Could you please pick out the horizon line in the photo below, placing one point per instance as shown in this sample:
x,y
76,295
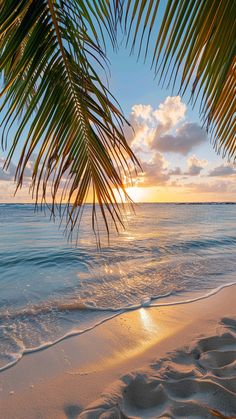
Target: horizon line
x,y
126,203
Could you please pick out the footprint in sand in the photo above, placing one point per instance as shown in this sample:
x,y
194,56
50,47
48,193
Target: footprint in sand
x,y
198,382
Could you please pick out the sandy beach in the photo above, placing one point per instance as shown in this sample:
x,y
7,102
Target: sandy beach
x,y
175,361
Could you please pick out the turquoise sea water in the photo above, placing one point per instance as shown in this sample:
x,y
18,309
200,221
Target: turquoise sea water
x,y
50,289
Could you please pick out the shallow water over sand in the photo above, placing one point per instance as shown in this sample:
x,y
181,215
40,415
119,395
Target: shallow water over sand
x,y
49,288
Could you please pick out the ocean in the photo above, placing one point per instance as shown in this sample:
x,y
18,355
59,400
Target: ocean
x,y
51,289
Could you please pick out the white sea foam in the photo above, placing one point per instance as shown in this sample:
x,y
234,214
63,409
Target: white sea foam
x,y
75,332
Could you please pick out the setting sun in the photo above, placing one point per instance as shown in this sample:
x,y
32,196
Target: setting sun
x,y
136,194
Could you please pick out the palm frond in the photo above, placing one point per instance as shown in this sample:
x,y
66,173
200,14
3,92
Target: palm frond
x,y
220,415
50,53
195,39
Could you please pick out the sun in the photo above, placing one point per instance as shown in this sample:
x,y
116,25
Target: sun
x,y
135,193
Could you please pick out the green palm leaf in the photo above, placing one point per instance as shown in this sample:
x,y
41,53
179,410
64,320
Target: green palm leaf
x,y
195,39
66,113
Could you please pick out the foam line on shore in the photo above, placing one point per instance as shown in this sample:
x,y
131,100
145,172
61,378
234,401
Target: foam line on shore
x,y
116,313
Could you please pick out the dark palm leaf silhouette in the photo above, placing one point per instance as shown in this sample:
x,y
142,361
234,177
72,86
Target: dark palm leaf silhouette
x,y
67,116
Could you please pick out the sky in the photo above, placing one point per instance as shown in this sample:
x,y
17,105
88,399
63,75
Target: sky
x,y
178,161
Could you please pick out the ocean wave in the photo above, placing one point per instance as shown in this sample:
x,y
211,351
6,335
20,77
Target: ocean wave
x,y
48,257
60,306
113,313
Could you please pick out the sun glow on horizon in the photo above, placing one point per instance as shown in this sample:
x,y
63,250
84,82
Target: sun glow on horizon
x,y
135,193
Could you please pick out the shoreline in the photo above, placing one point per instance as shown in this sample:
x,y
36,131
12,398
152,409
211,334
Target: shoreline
x,y
153,302
76,370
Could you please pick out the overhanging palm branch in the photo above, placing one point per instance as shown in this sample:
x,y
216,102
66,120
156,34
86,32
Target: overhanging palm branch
x,y
197,40
67,116
49,51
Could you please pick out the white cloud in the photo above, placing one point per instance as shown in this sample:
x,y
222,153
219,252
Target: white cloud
x,y
170,112
163,129
8,185
195,166
185,139
212,187
222,171
154,171
176,171
9,173
142,112
148,122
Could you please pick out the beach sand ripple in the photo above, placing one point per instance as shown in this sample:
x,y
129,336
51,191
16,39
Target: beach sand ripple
x,y
198,381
